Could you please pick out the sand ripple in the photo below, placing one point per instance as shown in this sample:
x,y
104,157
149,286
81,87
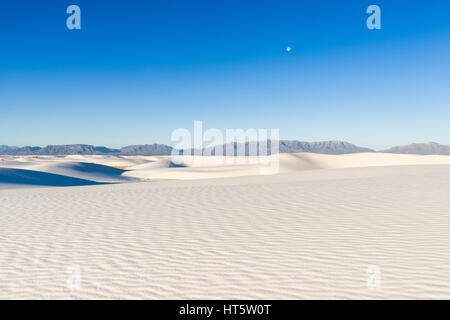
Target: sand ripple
x,y
298,235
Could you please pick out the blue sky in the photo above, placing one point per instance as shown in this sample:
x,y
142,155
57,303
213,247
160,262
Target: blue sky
x,y
137,70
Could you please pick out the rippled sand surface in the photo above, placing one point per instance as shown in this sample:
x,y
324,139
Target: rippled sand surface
x,y
367,232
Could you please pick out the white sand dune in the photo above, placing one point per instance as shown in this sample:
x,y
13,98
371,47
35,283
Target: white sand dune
x,y
218,167
63,171
116,169
311,231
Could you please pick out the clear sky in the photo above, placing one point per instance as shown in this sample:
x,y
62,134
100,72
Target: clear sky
x,y
137,70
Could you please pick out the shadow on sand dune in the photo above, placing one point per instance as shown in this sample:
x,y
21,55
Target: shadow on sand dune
x,y
37,178
94,168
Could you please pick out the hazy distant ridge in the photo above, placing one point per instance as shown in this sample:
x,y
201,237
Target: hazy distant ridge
x,y
155,149
6,148
59,150
147,149
285,146
324,147
421,148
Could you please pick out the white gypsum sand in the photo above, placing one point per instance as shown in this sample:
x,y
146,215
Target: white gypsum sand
x,y
311,231
117,169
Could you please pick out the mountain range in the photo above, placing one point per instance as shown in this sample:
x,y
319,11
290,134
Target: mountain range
x,y
285,146
421,148
6,148
148,150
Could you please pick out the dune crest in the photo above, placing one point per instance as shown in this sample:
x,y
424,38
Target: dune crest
x,y
121,169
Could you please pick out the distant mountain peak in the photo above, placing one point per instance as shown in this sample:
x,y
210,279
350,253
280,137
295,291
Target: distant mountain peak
x,y
427,148
85,149
285,146
4,148
147,149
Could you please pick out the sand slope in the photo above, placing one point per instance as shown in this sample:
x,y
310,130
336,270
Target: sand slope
x,y
120,169
300,234
37,178
218,167
63,171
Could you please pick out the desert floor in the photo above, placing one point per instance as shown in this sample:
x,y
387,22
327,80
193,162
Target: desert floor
x,y
355,226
